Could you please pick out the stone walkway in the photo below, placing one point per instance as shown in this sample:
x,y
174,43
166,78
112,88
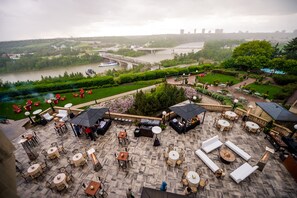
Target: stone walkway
x,y
149,168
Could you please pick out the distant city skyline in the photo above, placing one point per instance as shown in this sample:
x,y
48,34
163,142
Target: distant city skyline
x,y
37,19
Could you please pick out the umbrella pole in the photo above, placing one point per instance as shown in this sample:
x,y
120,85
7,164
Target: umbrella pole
x,y
203,117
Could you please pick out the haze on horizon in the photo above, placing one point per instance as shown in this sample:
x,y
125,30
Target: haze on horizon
x,y
37,19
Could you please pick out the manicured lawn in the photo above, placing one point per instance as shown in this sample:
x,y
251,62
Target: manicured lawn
x,y
271,90
211,78
7,110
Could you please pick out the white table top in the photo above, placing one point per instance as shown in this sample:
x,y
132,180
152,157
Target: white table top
x,y
230,114
252,125
193,177
52,150
156,130
77,156
173,155
33,168
68,105
38,111
59,178
223,123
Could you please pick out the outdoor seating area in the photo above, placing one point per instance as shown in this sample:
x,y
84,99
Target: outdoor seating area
x,y
71,171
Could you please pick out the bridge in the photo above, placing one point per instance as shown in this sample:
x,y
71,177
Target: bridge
x,y
154,50
122,60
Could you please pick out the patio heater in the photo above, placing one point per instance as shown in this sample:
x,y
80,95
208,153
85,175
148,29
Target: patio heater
x,y
27,113
265,157
50,102
96,164
164,116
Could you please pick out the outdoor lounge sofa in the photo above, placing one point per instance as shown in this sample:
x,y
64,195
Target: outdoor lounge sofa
x,y
48,117
103,126
207,161
211,144
242,172
62,113
238,150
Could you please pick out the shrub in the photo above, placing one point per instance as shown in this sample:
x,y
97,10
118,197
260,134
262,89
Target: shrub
x,y
284,79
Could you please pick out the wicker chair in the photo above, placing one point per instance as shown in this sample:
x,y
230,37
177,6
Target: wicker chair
x,y
50,185
54,144
26,176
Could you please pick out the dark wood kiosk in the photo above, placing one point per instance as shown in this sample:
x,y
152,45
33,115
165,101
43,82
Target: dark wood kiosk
x,y
94,118
189,114
145,128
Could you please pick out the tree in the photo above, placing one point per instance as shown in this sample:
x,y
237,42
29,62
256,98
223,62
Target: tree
x,y
254,48
290,49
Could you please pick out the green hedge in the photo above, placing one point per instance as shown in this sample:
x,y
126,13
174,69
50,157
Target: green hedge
x,y
31,89
149,75
229,73
284,79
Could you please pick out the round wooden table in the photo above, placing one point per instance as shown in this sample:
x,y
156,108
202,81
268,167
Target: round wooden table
x,y
227,156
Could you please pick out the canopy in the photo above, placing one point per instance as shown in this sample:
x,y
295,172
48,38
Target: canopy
x,y
277,112
187,111
89,117
153,193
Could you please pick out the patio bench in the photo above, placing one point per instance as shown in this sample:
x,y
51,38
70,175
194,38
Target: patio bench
x,y
238,150
207,161
211,144
242,172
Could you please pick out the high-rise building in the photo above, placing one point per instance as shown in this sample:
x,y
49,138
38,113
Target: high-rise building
x,y
182,31
218,31
203,31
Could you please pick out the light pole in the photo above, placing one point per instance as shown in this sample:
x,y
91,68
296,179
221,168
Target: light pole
x,y
164,114
50,102
250,107
27,113
235,101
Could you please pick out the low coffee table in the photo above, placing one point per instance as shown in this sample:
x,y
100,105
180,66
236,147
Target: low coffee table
x,y
227,156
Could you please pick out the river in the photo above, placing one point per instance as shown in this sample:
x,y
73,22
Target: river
x,y
152,58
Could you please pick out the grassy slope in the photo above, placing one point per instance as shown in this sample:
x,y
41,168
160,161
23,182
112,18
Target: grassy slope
x,y
6,107
272,89
210,78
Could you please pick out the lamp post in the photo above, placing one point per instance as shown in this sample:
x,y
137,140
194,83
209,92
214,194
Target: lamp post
x,y
235,101
27,113
194,98
164,114
250,107
50,102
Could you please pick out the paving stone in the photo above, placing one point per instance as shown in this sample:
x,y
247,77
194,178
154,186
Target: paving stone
x,y
149,168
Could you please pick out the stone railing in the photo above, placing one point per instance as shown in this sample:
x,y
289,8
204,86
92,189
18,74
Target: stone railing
x,y
130,117
281,129
215,108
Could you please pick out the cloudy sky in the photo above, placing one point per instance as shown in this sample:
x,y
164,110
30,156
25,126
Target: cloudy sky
x,y
32,19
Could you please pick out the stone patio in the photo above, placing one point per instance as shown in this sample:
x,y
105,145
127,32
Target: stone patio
x,y
149,168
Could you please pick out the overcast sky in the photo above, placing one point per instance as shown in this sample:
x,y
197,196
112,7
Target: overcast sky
x,y
32,19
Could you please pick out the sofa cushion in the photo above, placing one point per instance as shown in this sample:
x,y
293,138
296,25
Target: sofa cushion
x,y
62,113
47,116
242,172
238,150
211,144
207,160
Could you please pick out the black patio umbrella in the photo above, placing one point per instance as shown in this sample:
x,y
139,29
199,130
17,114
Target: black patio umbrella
x,y
89,117
188,111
